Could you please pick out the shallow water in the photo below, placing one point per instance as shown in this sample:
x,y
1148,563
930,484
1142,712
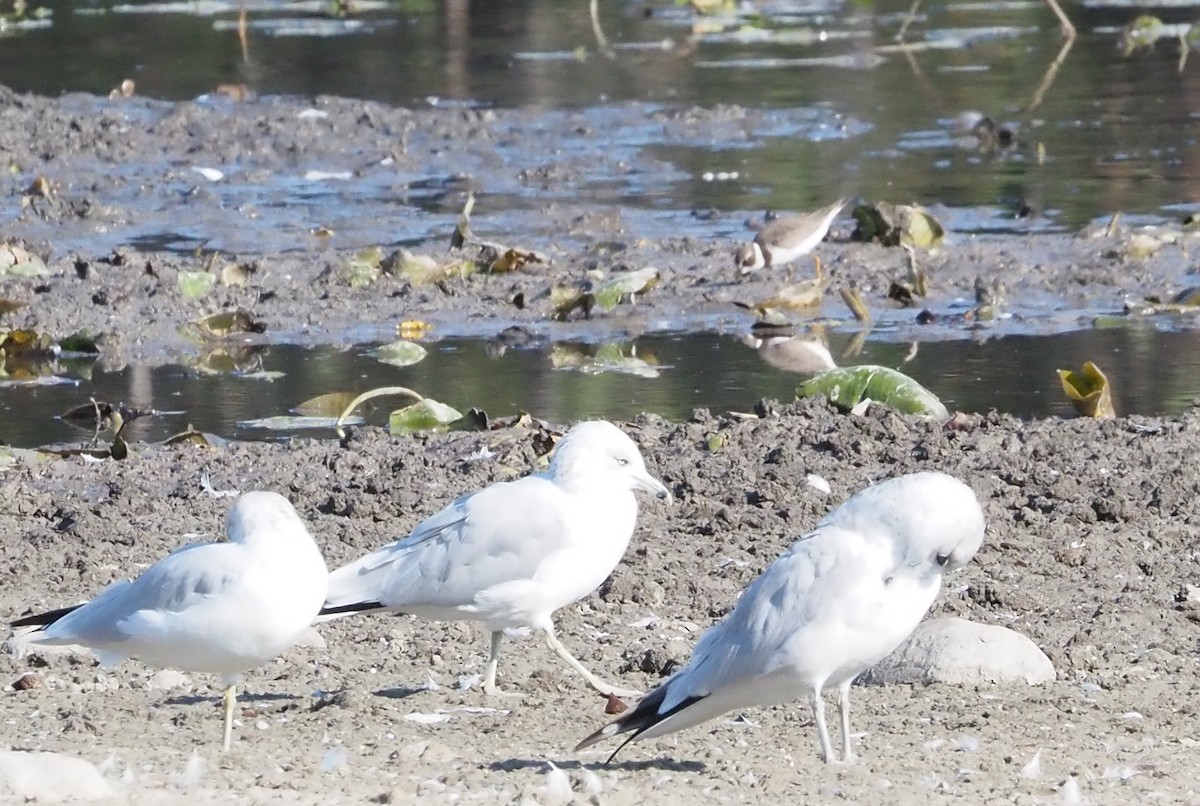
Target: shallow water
x,y
861,117
1152,372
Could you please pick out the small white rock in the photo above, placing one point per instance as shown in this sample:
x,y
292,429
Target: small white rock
x,y
557,789
1033,769
211,174
954,650
819,484
167,679
50,777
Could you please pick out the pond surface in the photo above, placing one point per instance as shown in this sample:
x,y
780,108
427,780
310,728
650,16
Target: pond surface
x,y
1119,133
1152,372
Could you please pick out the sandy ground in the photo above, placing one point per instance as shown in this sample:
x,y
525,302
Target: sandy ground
x,y
1090,550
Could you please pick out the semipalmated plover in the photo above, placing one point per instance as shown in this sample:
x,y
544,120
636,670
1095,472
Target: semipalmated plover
x,y
785,239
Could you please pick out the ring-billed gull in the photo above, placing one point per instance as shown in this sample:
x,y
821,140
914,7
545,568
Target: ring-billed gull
x,y
220,608
838,601
512,553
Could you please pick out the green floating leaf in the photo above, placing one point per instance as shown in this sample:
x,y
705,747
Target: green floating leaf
x,y
363,268
79,343
17,261
424,415
1088,391
10,455
227,323
328,405
846,387
627,284
195,284
422,269
189,437
897,225
400,354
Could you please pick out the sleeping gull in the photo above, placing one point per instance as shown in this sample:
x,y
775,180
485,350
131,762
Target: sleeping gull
x,y
220,608
514,552
837,602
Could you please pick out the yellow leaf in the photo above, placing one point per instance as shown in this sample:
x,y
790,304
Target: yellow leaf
x,y
1088,390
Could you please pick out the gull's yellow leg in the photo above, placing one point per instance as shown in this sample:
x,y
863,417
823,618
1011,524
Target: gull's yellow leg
x,y
230,700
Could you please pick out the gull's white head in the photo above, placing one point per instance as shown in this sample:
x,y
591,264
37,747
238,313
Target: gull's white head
x,y
261,513
935,520
598,447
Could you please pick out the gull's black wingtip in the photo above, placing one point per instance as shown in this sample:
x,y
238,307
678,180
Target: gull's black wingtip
x,y
357,607
641,718
44,620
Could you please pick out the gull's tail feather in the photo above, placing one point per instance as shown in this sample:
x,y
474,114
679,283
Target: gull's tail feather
x,y
43,620
640,719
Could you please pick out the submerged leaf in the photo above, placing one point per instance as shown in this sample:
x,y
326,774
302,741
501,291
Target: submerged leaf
x,y
400,353
371,394
227,323
285,423
606,358
847,387
1089,391
327,405
423,415
189,437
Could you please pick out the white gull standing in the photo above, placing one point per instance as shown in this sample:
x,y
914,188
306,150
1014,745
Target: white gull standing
x,y
220,608
838,601
514,552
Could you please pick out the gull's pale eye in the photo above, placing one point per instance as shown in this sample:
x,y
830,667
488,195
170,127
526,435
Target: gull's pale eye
x,y
942,559
622,461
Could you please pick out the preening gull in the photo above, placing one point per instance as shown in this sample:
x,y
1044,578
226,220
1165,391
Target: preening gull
x,y
220,608
837,602
514,552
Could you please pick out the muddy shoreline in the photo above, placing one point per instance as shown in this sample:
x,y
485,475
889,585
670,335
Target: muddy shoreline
x,y
126,178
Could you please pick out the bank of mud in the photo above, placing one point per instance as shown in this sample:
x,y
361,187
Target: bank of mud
x,y
127,204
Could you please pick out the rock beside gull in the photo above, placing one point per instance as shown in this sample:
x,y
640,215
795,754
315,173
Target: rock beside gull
x,y
954,650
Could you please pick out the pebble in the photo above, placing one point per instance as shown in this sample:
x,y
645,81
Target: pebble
x,y
954,650
50,777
